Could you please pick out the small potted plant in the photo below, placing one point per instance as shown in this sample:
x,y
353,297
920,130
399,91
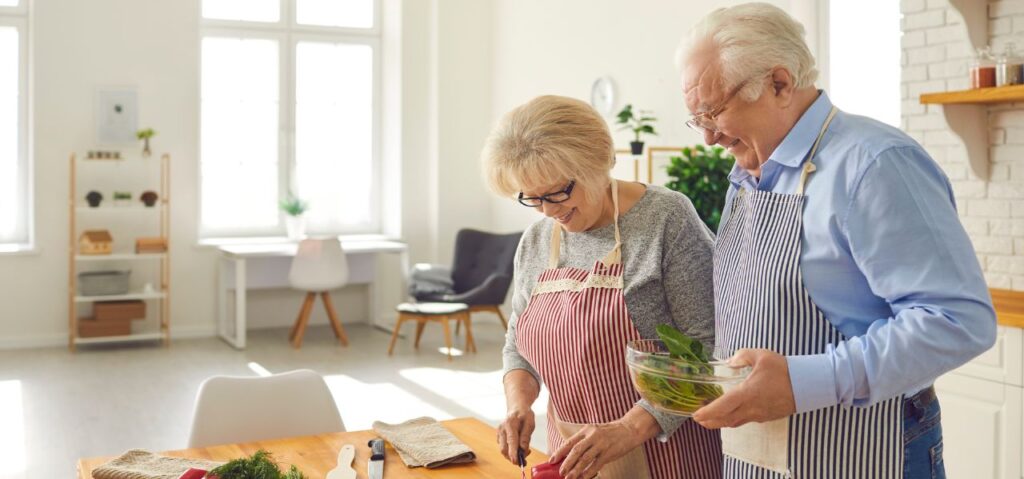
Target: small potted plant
x,y
94,198
145,135
640,123
148,198
294,221
122,198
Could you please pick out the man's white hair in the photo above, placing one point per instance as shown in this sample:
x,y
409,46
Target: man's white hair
x,y
751,39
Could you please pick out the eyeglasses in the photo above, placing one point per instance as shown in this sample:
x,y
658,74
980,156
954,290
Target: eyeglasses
x,y
556,197
704,122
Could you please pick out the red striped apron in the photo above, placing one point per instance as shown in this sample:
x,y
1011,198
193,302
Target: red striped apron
x,y
574,332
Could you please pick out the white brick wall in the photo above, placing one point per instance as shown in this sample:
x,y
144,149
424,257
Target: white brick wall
x,y
935,56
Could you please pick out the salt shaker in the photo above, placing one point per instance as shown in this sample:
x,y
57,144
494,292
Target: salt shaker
x,y
1009,68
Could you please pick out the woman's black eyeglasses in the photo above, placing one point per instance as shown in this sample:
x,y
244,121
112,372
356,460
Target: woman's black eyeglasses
x,y
556,197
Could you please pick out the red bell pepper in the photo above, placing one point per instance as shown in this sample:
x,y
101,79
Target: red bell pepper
x,y
547,470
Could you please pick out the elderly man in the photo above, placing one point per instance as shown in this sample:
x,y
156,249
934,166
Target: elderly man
x,y
842,274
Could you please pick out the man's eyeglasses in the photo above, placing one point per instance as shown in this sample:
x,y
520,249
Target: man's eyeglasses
x,y
556,197
704,122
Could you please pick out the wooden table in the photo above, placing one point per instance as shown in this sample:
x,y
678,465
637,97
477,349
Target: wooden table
x,y
315,455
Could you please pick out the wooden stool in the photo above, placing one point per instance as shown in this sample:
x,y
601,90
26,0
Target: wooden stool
x,y
437,312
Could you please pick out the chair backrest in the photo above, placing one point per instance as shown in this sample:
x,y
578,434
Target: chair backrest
x,y
479,254
233,409
319,265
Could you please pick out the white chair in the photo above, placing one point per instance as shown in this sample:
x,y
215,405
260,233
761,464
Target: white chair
x,y
231,409
318,267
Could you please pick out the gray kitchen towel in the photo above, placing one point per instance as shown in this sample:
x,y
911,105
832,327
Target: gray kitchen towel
x,y
139,464
425,442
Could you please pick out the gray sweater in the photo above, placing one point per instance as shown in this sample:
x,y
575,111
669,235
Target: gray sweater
x,y
667,253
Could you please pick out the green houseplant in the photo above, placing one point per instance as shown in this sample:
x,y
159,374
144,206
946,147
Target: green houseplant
x,y
639,123
145,135
702,174
294,208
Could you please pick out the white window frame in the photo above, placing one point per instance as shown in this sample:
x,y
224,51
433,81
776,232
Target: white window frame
x,y
24,239
288,34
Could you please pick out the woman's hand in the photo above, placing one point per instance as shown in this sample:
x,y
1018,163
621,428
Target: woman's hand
x,y
593,447
596,445
514,433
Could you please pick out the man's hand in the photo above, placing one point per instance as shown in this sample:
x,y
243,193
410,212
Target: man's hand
x,y
765,395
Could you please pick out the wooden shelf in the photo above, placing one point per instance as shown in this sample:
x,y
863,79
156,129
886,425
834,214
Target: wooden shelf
x,y
980,96
119,297
123,209
1009,307
119,256
121,339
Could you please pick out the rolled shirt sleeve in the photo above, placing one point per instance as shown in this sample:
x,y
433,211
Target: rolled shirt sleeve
x,y
902,231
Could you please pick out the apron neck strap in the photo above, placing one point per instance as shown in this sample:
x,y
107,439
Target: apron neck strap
x,y
809,164
614,256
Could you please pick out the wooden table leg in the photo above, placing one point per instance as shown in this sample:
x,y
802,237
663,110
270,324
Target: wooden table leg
x,y
421,323
447,336
394,335
470,343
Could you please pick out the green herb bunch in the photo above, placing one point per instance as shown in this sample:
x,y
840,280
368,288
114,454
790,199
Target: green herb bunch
x,y
702,174
293,205
258,466
680,396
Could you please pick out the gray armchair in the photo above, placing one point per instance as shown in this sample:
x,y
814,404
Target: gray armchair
x,y
480,276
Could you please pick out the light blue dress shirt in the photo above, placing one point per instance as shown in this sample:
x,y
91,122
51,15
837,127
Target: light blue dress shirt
x,y
884,257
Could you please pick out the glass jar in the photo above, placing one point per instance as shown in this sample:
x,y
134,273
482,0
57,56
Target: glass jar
x,y
1009,69
983,69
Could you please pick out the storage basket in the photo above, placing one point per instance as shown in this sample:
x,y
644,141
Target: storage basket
x,y
118,310
103,283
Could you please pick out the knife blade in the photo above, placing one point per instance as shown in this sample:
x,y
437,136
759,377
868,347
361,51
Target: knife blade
x,y
375,466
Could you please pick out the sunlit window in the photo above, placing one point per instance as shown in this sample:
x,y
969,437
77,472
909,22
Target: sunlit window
x,y
15,202
864,65
242,10
334,13
289,110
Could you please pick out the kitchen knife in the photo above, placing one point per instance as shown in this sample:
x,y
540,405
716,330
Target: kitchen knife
x,y
375,466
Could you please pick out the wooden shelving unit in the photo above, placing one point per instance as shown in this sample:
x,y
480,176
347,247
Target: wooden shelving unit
x,y
160,294
980,96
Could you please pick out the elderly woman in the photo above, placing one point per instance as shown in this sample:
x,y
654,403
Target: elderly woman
x,y
607,263
842,272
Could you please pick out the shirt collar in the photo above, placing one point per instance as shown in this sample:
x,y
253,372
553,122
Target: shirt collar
x,y
795,146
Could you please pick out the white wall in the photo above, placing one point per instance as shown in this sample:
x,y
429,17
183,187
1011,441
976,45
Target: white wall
x,y
544,47
453,67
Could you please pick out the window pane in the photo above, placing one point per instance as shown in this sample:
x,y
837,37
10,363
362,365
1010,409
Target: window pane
x,y
245,10
239,142
864,70
11,207
334,133
335,13
8,3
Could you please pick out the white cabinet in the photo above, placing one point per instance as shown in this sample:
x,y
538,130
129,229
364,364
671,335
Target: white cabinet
x,y
983,412
981,426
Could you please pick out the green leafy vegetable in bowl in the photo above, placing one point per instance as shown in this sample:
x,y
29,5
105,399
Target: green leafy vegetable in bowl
x,y
675,374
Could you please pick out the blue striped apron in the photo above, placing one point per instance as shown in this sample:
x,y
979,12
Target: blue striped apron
x,y
760,302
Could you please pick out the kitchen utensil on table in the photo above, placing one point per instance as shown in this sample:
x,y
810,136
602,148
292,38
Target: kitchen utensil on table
x,y
521,458
344,469
375,466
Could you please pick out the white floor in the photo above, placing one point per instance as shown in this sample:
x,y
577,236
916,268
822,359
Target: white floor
x,y
57,406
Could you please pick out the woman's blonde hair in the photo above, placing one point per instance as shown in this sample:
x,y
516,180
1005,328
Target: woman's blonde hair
x,y
549,139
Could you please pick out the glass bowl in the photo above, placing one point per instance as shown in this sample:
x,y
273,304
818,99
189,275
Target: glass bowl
x,y
677,386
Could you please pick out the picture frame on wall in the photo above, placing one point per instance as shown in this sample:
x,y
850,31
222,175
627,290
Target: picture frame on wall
x,y
117,111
